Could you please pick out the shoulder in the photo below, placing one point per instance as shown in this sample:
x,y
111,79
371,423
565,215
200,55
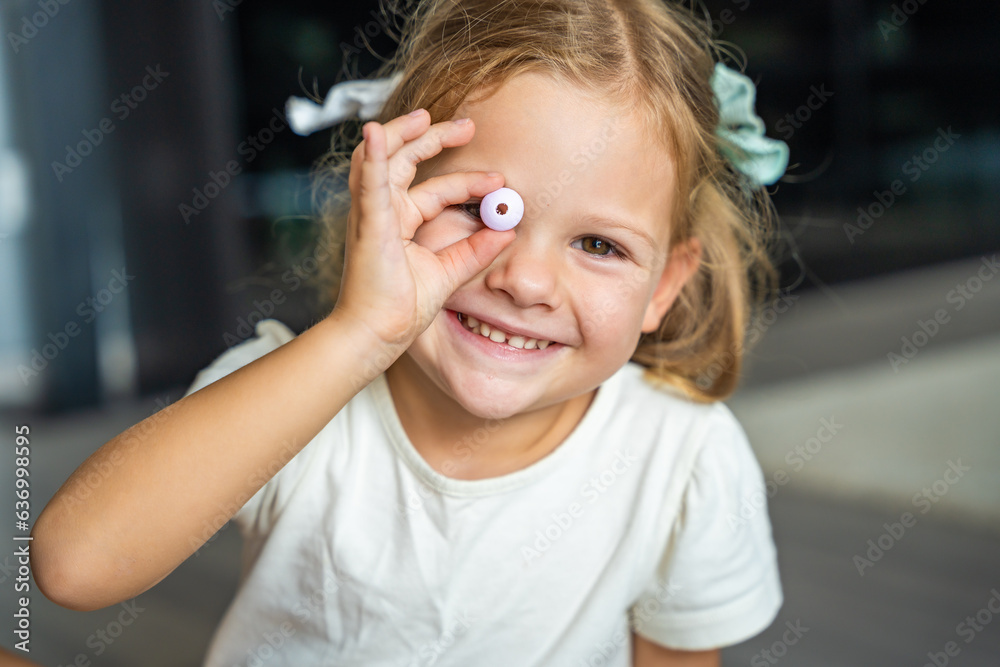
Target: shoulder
x,y
639,386
643,403
715,580
268,335
712,451
701,451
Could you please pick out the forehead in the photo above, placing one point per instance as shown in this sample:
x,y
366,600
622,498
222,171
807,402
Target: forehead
x,y
569,152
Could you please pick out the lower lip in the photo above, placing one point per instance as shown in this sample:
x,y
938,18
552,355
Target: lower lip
x,y
501,351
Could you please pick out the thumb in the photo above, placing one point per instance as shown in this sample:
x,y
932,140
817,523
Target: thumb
x,y
464,259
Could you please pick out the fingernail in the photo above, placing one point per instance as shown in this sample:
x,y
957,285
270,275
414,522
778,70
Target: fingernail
x,y
493,174
416,112
462,121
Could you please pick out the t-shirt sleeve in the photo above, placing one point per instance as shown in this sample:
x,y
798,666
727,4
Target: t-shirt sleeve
x,y
717,582
268,335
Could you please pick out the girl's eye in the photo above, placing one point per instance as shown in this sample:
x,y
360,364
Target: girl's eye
x,y
471,209
595,245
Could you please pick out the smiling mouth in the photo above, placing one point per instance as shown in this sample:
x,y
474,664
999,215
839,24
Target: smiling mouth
x,y
500,336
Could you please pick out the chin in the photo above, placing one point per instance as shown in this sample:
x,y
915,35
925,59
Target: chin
x,y
490,402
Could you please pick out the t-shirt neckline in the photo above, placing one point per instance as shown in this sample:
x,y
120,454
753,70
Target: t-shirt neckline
x,y
596,413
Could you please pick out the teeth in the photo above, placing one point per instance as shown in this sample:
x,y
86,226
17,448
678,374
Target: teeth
x,y
498,336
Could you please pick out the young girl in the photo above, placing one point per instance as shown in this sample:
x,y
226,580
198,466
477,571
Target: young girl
x,y
499,448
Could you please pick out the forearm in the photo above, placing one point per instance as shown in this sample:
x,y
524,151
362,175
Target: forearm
x,y
648,654
140,505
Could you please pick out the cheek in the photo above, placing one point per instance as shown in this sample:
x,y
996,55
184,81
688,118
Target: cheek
x,y
610,315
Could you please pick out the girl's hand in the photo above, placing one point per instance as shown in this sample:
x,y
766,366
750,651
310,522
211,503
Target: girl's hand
x,y
392,285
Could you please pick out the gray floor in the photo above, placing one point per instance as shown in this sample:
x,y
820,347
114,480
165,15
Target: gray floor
x,y
910,603
906,605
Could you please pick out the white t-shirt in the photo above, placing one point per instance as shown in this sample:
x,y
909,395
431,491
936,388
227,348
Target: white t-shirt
x,y
359,553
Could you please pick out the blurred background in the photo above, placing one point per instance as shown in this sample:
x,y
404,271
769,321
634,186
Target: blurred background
x,y
154,206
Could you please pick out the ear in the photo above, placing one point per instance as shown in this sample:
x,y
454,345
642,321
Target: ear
x,y
683,262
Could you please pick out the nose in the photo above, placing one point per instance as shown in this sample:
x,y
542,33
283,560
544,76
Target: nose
x,y
527,270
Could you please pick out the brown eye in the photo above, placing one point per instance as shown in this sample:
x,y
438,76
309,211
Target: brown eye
x,y
596,246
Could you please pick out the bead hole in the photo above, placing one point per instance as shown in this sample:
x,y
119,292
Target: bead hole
x,y
502,209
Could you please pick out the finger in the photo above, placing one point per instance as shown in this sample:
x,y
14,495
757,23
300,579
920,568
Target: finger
x,y
398,131
436,194
448,134
412,126
465,259
401,129
374,196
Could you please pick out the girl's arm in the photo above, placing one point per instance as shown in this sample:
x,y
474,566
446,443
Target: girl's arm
x,y
140,505
648,654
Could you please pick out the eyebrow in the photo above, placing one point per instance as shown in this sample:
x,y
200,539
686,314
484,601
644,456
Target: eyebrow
x,y
623,225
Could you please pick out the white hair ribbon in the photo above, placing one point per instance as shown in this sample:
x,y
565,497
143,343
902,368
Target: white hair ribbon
x,y
363,99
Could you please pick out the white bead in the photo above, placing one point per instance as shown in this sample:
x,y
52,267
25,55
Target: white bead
x,y
501,209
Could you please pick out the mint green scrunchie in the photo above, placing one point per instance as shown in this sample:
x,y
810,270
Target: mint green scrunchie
x,y
761,158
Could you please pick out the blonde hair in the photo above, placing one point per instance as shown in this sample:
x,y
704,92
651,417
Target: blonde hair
x,y
656,57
